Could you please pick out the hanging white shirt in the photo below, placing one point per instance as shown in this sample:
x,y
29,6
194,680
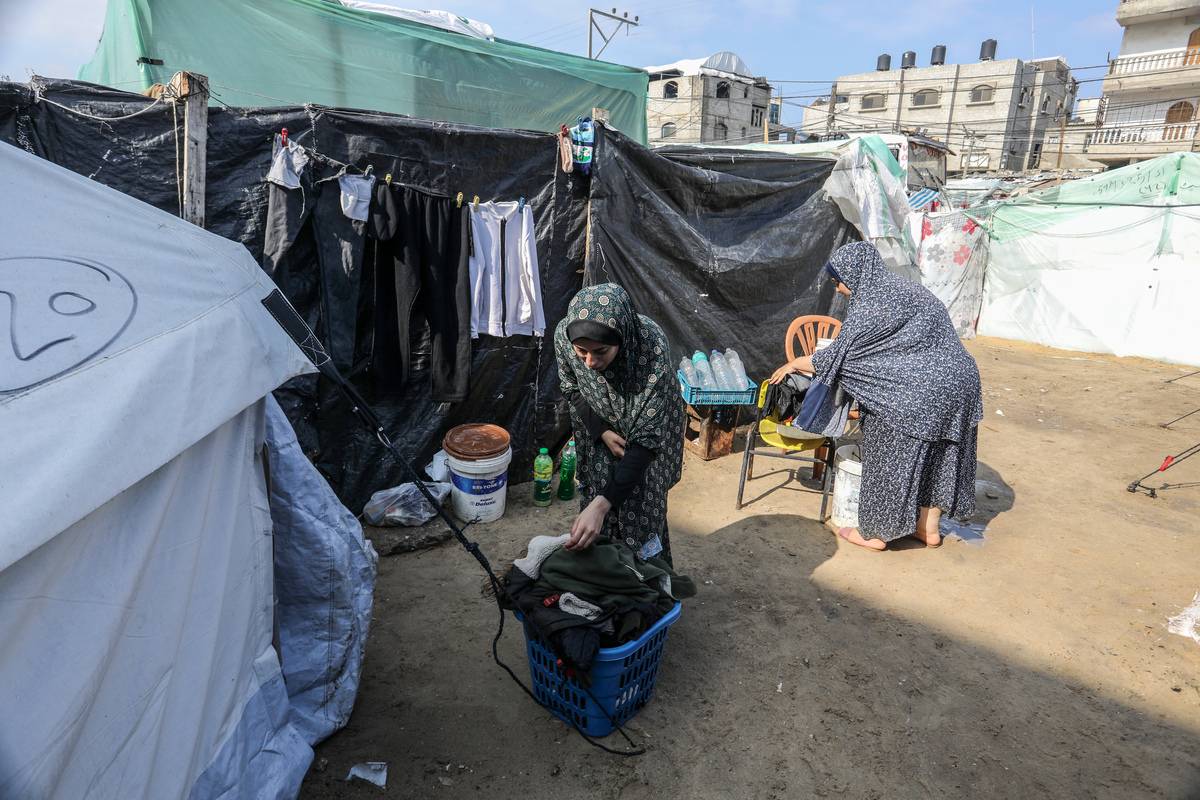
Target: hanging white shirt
x,y
506,287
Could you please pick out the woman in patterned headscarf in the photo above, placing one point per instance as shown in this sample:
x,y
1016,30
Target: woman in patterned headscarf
x,y
615,369
900,357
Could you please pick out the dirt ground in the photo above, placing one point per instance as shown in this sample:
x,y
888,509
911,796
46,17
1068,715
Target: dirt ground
x,y
1036,664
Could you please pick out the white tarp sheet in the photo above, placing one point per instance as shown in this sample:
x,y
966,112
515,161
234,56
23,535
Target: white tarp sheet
x,y
126,335
137,660
136,576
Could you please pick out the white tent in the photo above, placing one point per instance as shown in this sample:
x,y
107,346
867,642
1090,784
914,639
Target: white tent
x,y
1107,264
137,583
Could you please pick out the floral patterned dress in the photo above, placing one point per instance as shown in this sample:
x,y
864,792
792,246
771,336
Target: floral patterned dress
x,y
638,398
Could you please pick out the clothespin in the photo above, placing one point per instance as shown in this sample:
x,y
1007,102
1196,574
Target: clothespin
x,y
475,202
521,204
283,136
388,179
370,168
458,200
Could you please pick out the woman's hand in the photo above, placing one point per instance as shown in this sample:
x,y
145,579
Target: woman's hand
x,y
784,371
614,442
800,364
588,524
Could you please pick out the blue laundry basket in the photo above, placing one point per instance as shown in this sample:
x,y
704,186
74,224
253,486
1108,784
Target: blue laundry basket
x,y
622,679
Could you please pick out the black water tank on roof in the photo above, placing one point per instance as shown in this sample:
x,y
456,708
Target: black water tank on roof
x,y
938,58
909,59
987,50
883,63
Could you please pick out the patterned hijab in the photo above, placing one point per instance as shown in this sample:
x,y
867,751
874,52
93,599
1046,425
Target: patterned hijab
x,y
897,353
633,392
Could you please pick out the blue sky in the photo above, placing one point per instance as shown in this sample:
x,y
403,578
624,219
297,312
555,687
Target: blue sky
x,y
785,40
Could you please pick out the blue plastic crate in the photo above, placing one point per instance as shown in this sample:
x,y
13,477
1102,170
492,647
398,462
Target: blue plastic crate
x,y
695,396
622,679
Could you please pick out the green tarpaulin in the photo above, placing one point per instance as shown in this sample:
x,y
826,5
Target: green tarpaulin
x,y
291,52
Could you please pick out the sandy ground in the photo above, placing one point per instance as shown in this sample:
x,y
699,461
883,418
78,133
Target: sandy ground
x,y
1036,664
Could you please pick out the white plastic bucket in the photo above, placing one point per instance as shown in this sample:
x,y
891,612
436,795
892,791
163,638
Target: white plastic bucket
x,y
847,478
480,488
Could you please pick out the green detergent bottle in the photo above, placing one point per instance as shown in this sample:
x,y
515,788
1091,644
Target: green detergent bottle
x,y
543,474
566,472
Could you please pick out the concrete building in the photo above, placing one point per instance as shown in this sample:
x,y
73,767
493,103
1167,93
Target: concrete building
x,y
715,99
1152,90
1076,139
993,114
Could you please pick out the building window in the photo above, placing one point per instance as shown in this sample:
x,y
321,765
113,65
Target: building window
x,y
1058,110
743,134
720,132
1192,57
668,130
1087,141
1179,122
745,91
1045,103
756,116
670,90
873,102
983,94
1035,155
773,114
926,97
723,89
1026,95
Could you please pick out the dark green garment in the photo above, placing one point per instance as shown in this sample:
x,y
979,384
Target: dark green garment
x,y
613,577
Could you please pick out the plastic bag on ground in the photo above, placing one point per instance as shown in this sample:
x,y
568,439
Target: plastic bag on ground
x,y
438,469
404,505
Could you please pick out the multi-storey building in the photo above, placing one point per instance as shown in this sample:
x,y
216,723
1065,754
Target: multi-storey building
x,y
1152,89
714,99
993,114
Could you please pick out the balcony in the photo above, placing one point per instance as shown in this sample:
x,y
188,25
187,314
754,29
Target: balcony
x,y
1144,140
1135,11
1157,69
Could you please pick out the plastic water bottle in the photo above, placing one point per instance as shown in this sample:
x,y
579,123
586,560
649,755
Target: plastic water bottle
x,y
543,473
689,372
721,370
704,371
735,365
566,472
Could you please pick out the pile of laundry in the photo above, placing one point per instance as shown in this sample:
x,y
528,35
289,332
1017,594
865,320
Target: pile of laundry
x,y
581,600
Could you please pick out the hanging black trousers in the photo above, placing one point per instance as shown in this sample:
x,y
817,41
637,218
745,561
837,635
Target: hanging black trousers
x,y
426,238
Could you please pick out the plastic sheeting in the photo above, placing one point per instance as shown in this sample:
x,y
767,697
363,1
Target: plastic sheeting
x,y
722,248
514,381
291,52
1109,264
324,580
868,186
137,660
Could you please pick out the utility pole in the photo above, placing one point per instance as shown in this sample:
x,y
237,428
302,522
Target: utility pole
x,y
767,118
621,21
1062,136
830,118
191,90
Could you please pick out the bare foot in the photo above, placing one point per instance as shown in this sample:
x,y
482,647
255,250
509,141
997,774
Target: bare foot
x,y
928,539
852,536
928,525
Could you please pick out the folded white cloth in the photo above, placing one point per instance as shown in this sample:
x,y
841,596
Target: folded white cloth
x,y
356,195
574,604
540,548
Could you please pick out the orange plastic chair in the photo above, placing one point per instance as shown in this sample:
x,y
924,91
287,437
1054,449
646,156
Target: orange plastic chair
x,y
805,331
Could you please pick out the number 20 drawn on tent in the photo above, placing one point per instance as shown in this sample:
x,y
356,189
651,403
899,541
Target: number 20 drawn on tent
x,y
62,313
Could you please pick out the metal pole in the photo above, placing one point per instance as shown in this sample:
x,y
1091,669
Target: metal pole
x,y
829,120
1062,135
953,101
900,100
